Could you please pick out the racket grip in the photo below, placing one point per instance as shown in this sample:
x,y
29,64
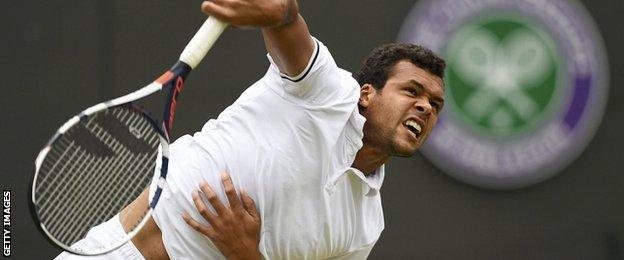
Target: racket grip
x,y
203,40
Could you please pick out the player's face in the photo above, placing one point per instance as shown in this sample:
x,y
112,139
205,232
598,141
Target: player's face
x,y
401,115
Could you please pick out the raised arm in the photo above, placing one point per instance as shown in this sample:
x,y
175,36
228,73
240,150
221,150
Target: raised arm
x,y
286,35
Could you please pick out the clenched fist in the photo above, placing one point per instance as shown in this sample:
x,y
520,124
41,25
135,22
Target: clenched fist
x,y
252,13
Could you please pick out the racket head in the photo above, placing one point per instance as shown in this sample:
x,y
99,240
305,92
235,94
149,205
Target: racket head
x,y
93,167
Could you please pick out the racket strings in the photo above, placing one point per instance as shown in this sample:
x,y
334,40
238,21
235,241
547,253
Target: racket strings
x,y
70,216
71,190
69,179
80,209
91,168
97,189
65,145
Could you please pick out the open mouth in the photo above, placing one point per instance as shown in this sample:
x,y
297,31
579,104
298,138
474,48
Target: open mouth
x,y
413,127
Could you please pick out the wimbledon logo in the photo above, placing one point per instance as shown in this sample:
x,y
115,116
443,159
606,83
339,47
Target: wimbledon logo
x,y
526,86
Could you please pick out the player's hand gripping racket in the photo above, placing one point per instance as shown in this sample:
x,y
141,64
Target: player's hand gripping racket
x,y
104,158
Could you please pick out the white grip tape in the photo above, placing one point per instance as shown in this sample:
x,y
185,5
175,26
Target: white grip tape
x,y
202,41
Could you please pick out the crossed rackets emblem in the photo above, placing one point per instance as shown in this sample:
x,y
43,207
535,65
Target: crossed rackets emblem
x,y
500,72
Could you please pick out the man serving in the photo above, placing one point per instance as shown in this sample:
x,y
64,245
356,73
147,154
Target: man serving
x,y
307,142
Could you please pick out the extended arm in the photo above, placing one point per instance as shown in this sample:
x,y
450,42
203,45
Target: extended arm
x,y
286,35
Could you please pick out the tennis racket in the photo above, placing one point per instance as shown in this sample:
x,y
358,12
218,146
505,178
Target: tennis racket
x,y
102,159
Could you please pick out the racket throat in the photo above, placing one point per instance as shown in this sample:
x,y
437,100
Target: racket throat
x,y
173,84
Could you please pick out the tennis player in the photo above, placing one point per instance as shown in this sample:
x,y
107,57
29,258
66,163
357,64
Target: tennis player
x,y
307,142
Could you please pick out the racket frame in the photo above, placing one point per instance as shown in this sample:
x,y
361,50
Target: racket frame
x,y
125,100
173,80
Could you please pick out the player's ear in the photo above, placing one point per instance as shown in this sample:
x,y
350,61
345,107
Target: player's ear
x,y
367,91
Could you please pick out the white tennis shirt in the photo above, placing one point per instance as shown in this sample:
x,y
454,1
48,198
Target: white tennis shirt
x,y
289,142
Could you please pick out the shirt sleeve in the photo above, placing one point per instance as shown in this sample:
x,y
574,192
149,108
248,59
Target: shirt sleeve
x,y
320,82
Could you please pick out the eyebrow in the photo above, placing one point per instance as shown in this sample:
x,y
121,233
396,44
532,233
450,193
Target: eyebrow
x,y
415,84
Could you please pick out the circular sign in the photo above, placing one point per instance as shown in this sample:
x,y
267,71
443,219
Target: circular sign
x,y
526,84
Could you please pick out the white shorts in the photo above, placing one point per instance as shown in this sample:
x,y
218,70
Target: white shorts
x,y
101,234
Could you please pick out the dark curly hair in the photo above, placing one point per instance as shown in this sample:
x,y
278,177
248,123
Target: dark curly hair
x,y
381,60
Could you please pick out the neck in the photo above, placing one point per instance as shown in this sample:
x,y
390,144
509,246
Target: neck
x,y
368,159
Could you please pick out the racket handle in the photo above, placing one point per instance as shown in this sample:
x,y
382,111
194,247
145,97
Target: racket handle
x,y
203,40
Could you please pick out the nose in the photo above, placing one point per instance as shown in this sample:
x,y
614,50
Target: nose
x,y
423,107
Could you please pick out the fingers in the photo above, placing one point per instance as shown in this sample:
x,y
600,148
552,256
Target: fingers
x,y
249,13
234,230
249,205
203,210
212,198
206,230
230,192
216,9
237,206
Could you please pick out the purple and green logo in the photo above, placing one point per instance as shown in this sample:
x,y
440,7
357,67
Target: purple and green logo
x,y
526,86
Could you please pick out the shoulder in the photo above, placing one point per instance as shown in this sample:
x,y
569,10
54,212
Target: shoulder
x,y
322,82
